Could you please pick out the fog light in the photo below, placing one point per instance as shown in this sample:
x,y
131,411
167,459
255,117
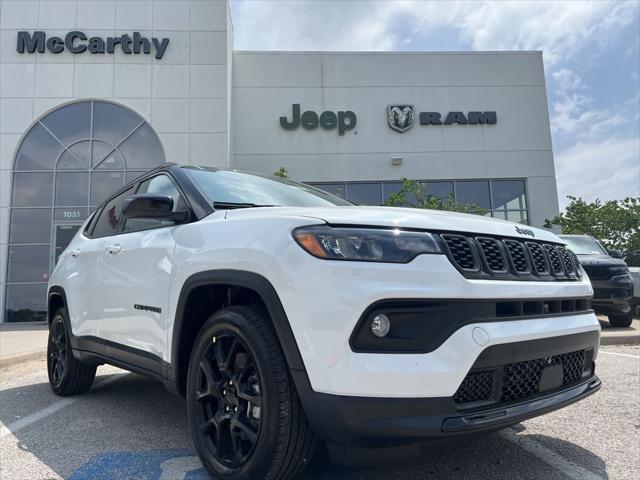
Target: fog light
x,y
380,325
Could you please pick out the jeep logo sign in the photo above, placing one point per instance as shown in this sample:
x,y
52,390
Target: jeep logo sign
x,y
344,121
78,42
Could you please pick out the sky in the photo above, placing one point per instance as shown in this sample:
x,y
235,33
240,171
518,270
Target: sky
x,y
591,52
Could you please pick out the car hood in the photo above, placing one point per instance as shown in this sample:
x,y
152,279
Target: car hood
x,y
600,260
402,218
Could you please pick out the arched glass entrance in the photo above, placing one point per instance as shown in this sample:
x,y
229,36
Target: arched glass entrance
x,y
67,163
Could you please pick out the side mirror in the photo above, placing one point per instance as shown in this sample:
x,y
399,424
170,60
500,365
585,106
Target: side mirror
x,y
149,205
615,253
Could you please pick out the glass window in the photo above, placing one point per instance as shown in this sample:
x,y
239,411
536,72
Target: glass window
x,y
473,192
112,160
104,184
334,188
70,123
508,194
112,123
32,189
160,184
389,188
364,193
111,216
28,263
142,150
583,245
72,189
38,151
70,161
225,186
30,225
514,216
442,190
131,176
64,235
51,168
26,303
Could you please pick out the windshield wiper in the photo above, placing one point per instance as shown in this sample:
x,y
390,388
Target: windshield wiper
x,y
234,205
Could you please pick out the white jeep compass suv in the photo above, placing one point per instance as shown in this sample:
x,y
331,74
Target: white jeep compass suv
x,y
288,316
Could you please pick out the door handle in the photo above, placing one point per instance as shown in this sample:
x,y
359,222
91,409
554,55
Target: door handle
x,y
113,249
75,252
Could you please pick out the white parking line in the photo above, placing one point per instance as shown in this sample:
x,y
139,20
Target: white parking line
x,y
619,354
571,470
50,410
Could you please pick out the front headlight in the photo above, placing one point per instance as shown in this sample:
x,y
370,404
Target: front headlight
x,y
365,244
621,270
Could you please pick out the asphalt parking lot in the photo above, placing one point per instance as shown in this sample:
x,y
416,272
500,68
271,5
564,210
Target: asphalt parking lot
x,y
129,427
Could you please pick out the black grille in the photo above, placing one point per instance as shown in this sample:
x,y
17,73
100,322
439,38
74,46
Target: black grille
x,y
518,256
493,254
540,262
508,259
567,261
556,261
575,261
475,387
519,380
597,272
462,251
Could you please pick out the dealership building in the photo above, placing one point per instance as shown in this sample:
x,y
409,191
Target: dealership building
x,y
94,93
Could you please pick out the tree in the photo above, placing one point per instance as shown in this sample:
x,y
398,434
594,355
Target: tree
x,y
615,223
281,172
414,194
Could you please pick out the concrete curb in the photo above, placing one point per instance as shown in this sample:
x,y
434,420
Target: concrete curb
x,y
631,339
22,357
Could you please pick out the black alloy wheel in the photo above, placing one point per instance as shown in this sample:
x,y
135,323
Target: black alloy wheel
x,y
57,351
245,416
67,374
229,400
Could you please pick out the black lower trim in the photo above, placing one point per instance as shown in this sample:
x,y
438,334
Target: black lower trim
x,y
371,422
423,325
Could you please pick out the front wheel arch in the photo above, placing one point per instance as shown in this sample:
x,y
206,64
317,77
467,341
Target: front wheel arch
x,y
213,284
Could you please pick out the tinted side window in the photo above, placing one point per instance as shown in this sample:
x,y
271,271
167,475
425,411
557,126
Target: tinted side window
x,y
160,184
111,216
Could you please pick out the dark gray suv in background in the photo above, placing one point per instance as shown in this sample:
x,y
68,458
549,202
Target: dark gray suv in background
x,y
609,275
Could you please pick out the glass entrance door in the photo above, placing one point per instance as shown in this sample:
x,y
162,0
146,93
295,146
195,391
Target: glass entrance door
x,y
63,235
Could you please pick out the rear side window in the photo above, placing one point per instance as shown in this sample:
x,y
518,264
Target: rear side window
x,y
110,219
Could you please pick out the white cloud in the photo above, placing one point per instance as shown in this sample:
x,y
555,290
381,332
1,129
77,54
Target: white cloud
x,y
606,170
560,29
594,160
574,115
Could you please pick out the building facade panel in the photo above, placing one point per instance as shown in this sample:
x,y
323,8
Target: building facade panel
x,y
164,84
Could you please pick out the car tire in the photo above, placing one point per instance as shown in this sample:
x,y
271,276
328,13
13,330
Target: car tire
x,y
621,320
245,416
67,375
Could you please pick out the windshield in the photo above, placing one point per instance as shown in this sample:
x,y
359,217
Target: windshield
x,y
584,246
230,189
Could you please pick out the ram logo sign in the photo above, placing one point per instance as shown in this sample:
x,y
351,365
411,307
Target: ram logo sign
x,y
400,117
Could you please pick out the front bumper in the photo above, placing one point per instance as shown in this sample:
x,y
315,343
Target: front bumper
x,y
612,297
324,300
372,422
